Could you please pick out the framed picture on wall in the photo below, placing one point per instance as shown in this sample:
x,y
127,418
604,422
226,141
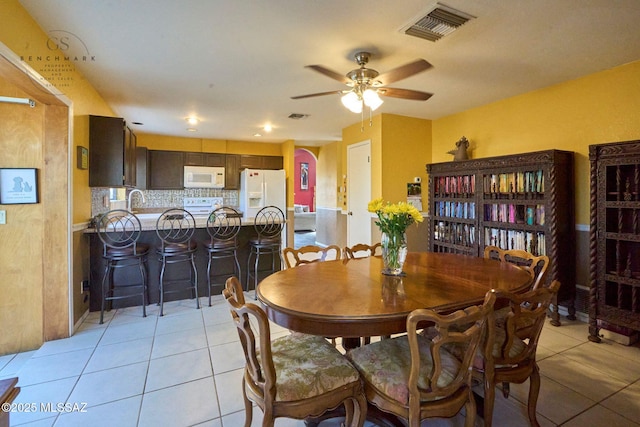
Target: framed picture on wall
x,y
304,176
18,186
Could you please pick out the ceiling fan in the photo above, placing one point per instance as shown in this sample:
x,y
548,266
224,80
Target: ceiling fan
x,y
366,84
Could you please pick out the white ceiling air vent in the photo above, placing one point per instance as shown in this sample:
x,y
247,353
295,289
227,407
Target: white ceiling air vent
x,y
297,116
440,21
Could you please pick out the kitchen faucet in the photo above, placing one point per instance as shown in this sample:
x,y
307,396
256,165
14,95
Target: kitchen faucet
x,y
131,194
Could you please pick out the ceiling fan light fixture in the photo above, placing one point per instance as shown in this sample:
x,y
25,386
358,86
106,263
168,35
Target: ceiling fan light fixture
x,y
372,99
352,102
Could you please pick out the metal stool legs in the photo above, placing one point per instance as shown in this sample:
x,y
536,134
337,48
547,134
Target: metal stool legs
x,y
193,277
257,252
108,287
223,255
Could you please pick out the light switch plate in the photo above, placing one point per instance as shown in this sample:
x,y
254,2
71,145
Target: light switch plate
x,y
3,217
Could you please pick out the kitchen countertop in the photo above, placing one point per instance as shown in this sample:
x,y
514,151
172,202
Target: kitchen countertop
x,y
148,222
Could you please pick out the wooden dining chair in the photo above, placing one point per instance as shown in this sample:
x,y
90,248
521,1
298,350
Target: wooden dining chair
x,y
362,250
310,253
509,351
414,377
294,376
536,266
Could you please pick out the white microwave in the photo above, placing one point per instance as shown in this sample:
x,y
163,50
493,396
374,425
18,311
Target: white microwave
x,y
203,177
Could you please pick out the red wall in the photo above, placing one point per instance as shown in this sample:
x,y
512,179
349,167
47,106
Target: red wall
x,y
304,197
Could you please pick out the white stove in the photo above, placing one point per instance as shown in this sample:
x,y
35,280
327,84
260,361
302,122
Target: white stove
x,y
202,206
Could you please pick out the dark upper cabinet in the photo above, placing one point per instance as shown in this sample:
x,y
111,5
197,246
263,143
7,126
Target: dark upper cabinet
x,y
142,176
232,172
130,159
204,159
260,162
166,170
112,157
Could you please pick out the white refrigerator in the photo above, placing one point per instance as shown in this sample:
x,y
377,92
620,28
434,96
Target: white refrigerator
x,y
260,188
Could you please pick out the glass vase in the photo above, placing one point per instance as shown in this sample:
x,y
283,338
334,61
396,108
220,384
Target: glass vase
x,y
394,252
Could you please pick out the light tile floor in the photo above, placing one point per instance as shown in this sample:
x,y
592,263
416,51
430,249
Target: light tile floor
x,y
185,369
303,238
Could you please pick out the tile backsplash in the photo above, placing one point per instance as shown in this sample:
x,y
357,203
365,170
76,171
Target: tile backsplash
x,y
158,199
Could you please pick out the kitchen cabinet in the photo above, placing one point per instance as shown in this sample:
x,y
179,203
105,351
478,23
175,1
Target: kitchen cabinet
x,y
112,156
248,161
204,159
614,296
142,177
232,172
130,159
522,201
166,170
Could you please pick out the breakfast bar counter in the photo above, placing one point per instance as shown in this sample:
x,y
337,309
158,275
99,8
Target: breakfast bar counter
x,y
149,237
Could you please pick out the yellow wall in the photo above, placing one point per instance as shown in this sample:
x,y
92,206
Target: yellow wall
x,y
360,132
400,149
177,143
406,149
20,33
327,178
598,108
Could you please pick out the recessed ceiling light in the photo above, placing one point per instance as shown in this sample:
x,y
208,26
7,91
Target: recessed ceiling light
x,y
298,116
267,128
257,134
192,130
192,120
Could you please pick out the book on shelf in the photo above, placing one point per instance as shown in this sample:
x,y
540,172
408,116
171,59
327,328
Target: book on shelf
x,y
515,182
533,242
514,213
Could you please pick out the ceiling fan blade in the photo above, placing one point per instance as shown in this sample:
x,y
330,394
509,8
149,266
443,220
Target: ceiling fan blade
x,y
330,73
404,93
311,95
404,71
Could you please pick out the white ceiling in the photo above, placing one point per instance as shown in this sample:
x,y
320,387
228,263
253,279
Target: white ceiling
x,y
236,63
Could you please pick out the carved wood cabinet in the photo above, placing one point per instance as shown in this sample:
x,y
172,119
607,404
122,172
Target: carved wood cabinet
x,y
523,201
614,237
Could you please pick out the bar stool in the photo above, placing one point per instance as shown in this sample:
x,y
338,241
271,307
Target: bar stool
x,y
119,231
268,224
175,228
223,226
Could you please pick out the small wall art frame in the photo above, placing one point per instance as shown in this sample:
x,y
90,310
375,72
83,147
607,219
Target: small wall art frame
x,y
18,186
83,158
304,176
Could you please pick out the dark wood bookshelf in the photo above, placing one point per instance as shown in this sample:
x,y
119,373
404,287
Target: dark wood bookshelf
x,y
522,201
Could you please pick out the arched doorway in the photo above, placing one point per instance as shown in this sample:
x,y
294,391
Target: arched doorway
x,y
304,198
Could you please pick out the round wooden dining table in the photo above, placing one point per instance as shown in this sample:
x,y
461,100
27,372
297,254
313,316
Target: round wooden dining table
x,y
352,298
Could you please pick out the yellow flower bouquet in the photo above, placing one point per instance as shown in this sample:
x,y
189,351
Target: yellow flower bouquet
x,y
393,220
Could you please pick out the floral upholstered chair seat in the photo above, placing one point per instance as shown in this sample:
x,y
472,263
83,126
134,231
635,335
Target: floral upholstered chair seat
x,y
295,376
307,366
516,347
414,377
386,365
